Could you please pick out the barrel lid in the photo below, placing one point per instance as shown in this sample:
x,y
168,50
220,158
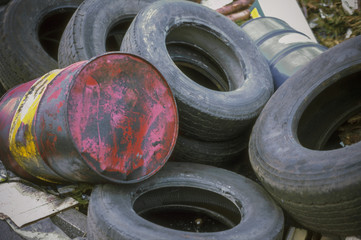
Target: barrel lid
x,y
122,117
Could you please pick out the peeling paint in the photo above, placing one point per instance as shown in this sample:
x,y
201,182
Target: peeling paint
x,y
22,143
112,118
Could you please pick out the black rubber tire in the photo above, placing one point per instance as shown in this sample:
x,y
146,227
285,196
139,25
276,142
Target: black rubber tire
x,y
291,147
2,89
204,113
86,33
3,2
97,27
112,211
198,66
211,153
23,41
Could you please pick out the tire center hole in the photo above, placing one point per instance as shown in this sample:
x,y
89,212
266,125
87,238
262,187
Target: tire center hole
x,y
51,28
192,60
116,34
188,209
333,118
204,58
198,66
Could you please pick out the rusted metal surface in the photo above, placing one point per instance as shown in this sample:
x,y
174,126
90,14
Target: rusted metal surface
x,y
8,106
22,140
112,118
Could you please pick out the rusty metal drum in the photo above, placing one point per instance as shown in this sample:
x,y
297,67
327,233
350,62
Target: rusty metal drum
x,y
112,118
8,106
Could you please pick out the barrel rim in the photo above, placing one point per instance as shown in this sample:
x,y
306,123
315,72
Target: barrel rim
x,y
176,117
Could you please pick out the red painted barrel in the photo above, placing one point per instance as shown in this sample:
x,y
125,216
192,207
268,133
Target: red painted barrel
x,y
112,118
8,106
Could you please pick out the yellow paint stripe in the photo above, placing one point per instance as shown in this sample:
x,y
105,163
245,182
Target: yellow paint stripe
x,y
21,140
255,13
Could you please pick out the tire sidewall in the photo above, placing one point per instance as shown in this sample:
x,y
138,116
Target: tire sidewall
x,y
211,153
277,155
24,33
116,204
92,21
256,87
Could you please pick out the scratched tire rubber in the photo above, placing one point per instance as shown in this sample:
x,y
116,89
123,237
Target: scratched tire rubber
x,y
2,89
292,149
97,27
23,56
204,113
86,33
188,149
113,209
217,154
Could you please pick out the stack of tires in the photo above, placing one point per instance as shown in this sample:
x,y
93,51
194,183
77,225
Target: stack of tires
x,y
295,149
220,82
217,76
223,87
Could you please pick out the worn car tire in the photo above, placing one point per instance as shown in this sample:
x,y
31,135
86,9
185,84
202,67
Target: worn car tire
x,y
27,31
97,27
210,153
87,31
2,89
207,114
293,148
114,211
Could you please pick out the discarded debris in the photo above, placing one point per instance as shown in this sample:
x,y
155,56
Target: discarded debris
x,y
330,23
350,132
24,204
235,6
239,16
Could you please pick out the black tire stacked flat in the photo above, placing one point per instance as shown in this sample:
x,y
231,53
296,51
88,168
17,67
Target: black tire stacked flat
x,y
96,26
115,211
205,114
26,29
292,147
211,153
